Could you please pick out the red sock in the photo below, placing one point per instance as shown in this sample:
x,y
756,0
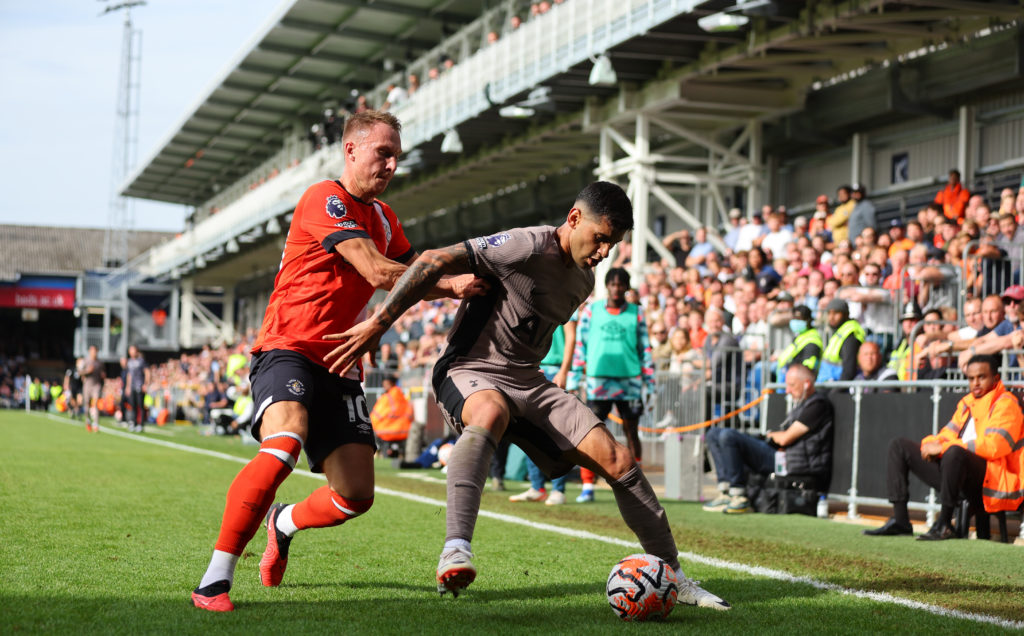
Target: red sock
x,y
587,476
253,490
325,508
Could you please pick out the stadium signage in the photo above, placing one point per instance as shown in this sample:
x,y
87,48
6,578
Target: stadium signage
x,y
39,293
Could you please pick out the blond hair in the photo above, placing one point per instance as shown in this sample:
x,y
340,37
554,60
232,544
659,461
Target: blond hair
x,y
361,123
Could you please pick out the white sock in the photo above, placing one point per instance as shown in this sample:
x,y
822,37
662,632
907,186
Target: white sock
x,y
456,543
222,566
588,487
284,521
723,487
737,491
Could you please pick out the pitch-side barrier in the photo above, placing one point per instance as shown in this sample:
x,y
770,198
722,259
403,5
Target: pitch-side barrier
x,y
867,416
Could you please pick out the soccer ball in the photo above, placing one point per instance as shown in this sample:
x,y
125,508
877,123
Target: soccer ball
x,y
642,587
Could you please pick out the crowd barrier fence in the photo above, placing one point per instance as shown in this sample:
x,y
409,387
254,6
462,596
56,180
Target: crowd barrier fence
x,y
726,390
867,416
986,276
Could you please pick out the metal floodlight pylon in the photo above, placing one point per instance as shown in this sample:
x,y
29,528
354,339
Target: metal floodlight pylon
x,y
121,214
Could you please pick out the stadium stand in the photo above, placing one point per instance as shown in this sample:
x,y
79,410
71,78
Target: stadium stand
x,y
723,120
39,277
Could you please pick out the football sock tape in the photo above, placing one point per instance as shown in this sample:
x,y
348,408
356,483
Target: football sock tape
x,y
468,467
641,511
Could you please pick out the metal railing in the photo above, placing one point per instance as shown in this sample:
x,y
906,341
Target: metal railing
x,y
950,291
985,276
249,213
912,362
544,46
853,495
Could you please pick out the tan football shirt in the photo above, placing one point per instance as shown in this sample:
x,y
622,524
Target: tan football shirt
x,y
533,292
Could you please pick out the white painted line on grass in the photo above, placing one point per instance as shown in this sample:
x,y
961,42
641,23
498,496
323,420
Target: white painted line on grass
x,y
421,476
756,570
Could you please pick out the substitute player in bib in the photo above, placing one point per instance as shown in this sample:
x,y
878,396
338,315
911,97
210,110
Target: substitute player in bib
x,y
342,245
489,384
613,354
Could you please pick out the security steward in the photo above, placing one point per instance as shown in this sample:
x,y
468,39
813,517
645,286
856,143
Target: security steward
x,y
978,454
839,362
806,346
899,360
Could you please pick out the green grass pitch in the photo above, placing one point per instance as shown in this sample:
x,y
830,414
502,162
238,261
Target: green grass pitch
x,y
109,534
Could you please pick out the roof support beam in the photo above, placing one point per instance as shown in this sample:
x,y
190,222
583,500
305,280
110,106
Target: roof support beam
x,y
391,7
1007,10
276,72
306,53
358,34
271,89
255,105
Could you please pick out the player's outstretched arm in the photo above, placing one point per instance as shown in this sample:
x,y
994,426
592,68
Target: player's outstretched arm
x,y
382,272
417,281
362,254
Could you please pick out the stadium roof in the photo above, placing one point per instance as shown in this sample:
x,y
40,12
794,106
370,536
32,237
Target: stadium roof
x,y
37,249
308,55
312,52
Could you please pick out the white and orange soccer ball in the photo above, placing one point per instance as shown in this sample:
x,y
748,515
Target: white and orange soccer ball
x,y
642,587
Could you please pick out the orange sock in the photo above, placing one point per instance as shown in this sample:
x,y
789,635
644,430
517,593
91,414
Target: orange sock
x,y
325,508
587,476
253,490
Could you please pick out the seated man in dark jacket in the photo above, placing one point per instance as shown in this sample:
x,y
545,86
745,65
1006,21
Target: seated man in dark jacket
x,y
804,445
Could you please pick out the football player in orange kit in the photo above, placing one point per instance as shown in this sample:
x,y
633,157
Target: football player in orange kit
x,y
342,245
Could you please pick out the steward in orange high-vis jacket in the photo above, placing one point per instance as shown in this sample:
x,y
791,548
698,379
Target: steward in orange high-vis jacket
x,y
979,454
392,413
998,430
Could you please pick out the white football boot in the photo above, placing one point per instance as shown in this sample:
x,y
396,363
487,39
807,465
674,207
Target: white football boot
x,y
455,571
691,593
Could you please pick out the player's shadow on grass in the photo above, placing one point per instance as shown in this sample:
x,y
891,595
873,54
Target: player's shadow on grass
x,y
523,592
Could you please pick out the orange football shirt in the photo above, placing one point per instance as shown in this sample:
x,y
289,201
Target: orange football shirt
x,y
316,292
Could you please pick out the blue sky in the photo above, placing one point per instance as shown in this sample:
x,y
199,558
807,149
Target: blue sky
x,y
59,67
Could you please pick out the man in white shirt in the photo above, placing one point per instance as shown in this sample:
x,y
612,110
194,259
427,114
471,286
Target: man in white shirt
x,y
395,98
777,238
749,233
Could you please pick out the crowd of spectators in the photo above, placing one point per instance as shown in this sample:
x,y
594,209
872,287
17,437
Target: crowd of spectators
x,y
741,287
509,19
191,386
741,283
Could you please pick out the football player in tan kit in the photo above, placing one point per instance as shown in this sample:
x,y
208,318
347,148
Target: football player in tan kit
x,y
488,382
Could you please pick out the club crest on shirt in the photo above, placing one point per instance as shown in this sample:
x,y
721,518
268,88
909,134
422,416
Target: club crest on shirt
x,y
495,240
335,207
346,225
295,387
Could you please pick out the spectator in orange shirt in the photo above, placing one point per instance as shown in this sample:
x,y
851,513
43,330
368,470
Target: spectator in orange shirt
x,y
695,325
899,241
953,198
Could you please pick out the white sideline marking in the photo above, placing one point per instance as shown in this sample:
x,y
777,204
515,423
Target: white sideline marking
x,y
430,479
756,570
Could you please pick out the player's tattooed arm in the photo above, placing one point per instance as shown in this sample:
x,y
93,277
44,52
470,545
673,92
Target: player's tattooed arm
x,y
421,278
